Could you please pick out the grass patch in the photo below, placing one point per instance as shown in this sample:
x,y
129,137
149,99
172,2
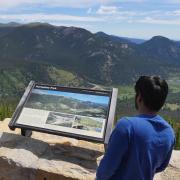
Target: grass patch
x,y
172,107
63,77
174,83
125,92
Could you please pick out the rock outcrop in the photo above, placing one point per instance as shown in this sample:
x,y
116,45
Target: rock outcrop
x,y
45,157
173,170
50,157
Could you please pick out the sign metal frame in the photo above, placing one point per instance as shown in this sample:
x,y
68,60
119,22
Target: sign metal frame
x,y
26,130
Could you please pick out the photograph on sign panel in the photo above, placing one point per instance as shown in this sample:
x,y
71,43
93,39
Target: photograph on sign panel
x,y
75,121
71,110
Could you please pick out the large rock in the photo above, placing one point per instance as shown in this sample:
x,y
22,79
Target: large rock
x,y
173,170
45,157
49,157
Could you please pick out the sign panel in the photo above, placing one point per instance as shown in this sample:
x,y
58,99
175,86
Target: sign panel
x,y
73,112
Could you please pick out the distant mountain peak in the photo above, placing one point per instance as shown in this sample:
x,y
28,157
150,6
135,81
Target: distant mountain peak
x,y
34,24
159,41
101,33
159,38
10,24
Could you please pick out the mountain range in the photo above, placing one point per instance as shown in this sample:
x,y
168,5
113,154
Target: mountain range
x,y
48,53
121,39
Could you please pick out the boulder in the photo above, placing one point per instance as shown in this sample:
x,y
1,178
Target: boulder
x,y
46,157
172,172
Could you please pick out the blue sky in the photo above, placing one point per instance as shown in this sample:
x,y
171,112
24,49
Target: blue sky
x,y
130,18
82,97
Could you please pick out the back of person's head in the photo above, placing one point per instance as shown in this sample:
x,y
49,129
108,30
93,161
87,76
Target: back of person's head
x,y
153,91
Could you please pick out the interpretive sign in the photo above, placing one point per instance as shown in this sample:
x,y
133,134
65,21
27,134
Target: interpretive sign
x,y
80,113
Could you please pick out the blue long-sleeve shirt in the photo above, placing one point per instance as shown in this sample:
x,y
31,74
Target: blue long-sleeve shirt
x,y
138,147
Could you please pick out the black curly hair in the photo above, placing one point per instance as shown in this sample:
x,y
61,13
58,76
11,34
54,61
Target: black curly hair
x,y
153,91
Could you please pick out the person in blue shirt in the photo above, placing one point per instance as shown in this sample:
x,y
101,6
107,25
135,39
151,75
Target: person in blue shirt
x,y
142,145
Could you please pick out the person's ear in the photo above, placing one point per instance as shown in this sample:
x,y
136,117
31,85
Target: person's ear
x,y
139,98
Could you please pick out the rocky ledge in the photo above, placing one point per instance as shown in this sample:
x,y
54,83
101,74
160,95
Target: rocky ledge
x,y
50,157
46,157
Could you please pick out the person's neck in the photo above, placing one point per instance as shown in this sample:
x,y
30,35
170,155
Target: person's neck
x,y
147,112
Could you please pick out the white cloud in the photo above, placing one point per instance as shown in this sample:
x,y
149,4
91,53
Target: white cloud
x,y
106,10
115,14
48,18
147,17
55,3
162,1
172,1
129,13
89,11
149,20
76,3
177,12
13,3
62,3
173,13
